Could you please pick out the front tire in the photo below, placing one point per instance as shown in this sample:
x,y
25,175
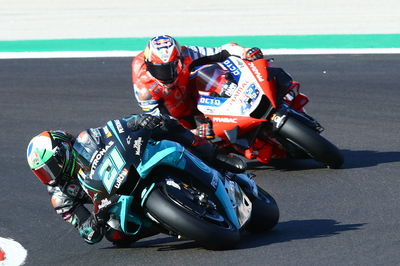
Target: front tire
x,y
311,142
175,210
264,214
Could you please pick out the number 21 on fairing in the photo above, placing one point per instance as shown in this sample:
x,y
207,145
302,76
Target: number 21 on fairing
x,y
110,168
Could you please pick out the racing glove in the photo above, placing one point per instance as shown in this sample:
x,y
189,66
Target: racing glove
x,y
145,121
253,54
204,127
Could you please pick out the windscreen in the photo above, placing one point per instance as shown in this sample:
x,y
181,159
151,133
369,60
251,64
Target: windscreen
x,y
208,78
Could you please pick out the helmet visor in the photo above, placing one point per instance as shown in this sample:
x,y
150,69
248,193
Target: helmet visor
x,y
166,72
49,171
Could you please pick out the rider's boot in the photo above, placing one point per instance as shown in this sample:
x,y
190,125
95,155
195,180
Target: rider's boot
x,y
230,163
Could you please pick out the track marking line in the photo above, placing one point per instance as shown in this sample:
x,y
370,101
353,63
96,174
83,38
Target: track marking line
x,y
12,253
90,54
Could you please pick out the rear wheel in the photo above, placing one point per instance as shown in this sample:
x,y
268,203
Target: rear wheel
x,y
311,142
190,212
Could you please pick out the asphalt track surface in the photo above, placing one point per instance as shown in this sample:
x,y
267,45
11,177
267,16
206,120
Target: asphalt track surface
x,y
328,217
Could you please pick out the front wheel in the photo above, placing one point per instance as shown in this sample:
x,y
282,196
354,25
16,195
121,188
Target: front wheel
x,y
189,212
311,142
264,213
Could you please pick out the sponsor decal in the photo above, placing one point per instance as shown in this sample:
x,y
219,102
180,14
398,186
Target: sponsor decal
x,y
214,180
95,132
225,120
252,92
107,132
239,94
121,178
256,72
278,120
251,95
137,144
234,70
98,155
211,101
104,203
119,126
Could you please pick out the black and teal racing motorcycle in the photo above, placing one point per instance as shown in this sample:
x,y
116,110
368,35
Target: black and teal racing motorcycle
x,y
161,187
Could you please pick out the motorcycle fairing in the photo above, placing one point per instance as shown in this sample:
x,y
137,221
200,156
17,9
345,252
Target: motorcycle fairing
x,y
245,97
122,212
111,164
158,153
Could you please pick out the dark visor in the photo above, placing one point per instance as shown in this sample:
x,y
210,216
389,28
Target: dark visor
x,y
49,171
166,72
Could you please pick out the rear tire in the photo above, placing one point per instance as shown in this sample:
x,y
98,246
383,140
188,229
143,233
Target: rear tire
x,y
177,212
311,142
264,214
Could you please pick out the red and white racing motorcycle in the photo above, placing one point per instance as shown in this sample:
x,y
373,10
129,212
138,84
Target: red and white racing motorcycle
x,y
257,111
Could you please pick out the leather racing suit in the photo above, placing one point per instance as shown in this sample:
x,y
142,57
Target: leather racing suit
x,y
178,99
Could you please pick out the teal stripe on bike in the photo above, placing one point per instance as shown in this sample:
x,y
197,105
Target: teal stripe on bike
x,y
342,41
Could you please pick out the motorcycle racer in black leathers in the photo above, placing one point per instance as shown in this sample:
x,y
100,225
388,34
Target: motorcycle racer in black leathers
x,y
58,159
